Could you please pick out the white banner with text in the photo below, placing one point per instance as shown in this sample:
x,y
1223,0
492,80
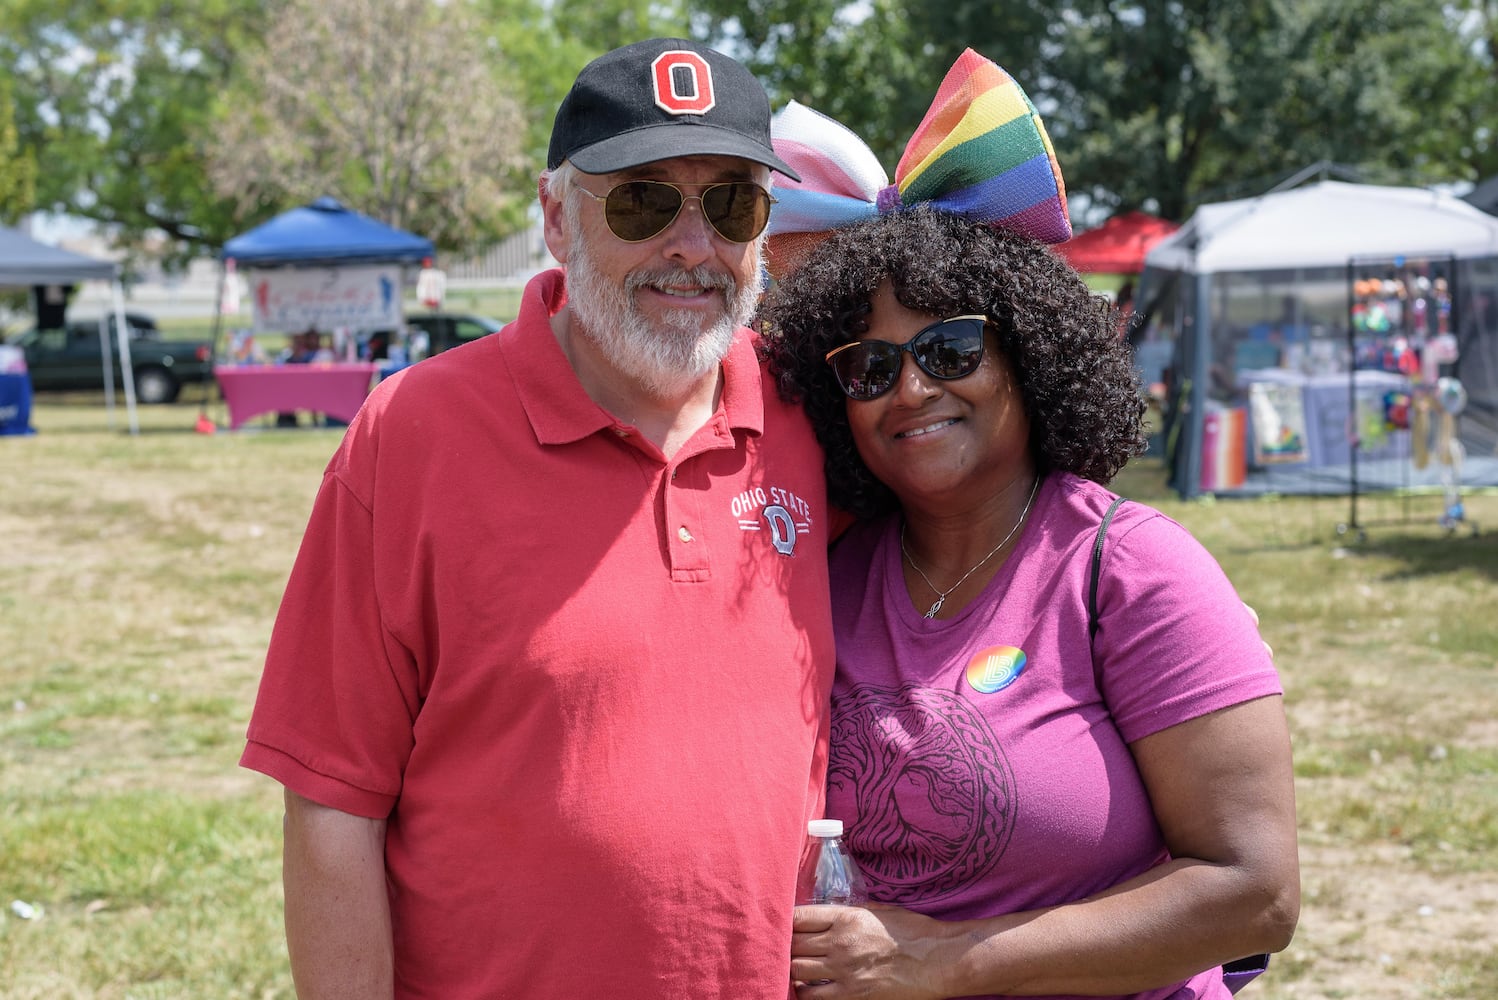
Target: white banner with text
x,y
326,298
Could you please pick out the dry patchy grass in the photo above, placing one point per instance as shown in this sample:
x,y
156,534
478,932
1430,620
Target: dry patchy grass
x,y
139,577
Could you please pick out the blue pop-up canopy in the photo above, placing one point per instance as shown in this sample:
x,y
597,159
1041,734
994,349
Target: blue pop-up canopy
x,y
324,233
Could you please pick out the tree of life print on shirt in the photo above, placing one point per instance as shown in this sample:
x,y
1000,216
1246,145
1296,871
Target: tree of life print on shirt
x,y
934,793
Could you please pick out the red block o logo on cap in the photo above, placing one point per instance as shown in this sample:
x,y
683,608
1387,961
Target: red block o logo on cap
x,y
683,83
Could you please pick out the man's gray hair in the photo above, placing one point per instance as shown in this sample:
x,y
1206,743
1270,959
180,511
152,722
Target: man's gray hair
x,y
559,182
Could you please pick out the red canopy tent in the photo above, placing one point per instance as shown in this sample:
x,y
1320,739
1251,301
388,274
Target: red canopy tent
x,y
1117,246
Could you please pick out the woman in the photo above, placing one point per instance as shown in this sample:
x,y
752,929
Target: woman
x,y
1046,813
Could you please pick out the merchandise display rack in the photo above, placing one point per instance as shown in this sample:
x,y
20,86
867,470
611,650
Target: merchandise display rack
x,y
1401,320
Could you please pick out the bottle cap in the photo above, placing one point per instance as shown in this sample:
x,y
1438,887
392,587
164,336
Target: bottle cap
x,y
825,828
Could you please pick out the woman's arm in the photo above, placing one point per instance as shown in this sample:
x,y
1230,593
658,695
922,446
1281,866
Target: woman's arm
x,y
1223,795
337,911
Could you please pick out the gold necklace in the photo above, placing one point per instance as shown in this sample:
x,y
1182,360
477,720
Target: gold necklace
x,y
941,595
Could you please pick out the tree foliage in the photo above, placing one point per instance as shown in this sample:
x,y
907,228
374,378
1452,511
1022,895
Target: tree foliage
x,y
188,122
855,63
17,164
114,98
399,109
544,44
1157,103
1469,112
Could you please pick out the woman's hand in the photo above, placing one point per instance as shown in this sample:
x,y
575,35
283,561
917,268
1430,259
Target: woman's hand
x,y
877,951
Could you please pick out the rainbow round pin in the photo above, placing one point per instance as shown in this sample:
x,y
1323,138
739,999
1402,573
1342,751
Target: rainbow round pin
x,y
995,668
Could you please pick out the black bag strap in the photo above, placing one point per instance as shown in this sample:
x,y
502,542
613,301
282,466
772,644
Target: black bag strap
x,y
1097,567
1240,973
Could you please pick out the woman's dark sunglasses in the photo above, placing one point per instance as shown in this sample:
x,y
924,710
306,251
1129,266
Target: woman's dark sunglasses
x,y
947,349
638,210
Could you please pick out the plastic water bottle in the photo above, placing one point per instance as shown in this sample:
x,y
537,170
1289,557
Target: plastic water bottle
x,y
828,873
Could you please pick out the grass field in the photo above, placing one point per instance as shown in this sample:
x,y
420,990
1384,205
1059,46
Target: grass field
x,y
139,576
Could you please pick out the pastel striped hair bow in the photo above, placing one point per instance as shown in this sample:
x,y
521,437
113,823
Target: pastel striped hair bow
x,y
840,176
981,152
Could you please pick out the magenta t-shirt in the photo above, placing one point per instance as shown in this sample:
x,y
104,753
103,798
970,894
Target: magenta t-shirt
x,y
981,763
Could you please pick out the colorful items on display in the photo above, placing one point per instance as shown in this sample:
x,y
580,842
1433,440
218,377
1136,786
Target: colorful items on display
x,y
1451,396
1404,326
1398,319
244,349
1397,411
1224,457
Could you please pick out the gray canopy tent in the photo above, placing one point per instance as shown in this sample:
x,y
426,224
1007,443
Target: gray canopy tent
x,y
27,263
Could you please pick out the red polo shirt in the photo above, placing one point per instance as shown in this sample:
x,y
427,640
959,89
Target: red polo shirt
x,y
587,685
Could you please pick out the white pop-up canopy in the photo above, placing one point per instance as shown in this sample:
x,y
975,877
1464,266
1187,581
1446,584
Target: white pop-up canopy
x,y
1326,224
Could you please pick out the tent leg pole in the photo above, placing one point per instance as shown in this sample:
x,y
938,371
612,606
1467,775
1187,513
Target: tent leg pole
x,y
127,368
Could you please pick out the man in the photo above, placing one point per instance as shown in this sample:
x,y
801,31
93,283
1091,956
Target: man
x,y
547,685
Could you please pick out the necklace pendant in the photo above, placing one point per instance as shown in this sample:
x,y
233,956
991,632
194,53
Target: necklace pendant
x,y
937,606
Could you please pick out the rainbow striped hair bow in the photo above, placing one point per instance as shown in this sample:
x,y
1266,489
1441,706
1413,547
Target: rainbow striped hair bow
x,y
981,152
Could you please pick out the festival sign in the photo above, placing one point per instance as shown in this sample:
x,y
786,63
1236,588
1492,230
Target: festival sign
x,y
326,298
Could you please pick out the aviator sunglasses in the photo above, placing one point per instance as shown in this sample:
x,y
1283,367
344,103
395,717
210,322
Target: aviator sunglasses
x,y
947,349
638,210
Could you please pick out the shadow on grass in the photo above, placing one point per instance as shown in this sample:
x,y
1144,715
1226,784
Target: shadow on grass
x,y
1424,555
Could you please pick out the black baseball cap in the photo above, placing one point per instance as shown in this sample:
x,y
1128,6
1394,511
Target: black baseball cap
x,y
659,99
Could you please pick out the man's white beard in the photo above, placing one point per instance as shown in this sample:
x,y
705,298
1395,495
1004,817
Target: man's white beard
x,y
669,359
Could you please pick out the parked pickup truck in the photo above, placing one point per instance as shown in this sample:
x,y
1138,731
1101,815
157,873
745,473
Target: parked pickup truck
x,y
69,358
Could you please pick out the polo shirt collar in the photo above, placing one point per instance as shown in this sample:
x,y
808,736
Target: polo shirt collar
x,y
561,412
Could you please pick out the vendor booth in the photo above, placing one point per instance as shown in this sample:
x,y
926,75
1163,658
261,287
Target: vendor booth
x,y
48,270
316,270
1329,339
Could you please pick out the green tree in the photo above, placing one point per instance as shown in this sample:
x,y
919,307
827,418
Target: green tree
x,y
1469,111
128,103
1160,104
1157,103
856,63
545,44
17,164
399,109
115,98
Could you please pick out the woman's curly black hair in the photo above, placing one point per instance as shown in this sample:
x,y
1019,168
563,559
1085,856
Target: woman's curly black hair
x,y
1076,374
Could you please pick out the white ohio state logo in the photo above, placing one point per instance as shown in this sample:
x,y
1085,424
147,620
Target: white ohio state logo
x,y
683,83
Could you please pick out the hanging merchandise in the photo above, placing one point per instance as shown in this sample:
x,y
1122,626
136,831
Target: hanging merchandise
x,y
1443,349
1420,432
1397,410
1451,397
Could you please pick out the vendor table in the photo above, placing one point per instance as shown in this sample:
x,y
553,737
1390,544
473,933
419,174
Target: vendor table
x,y
1326,417
335,389
15,403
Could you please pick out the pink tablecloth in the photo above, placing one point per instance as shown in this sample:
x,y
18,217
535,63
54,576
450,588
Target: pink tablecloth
x,y
335,389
